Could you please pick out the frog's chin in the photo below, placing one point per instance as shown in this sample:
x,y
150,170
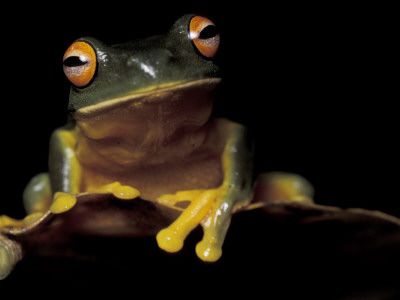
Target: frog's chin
x,y
155,95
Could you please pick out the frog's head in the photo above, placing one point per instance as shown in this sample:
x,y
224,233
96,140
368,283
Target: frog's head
x,y
158,80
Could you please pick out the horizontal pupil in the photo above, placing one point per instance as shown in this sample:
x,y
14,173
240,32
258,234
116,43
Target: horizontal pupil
x,y
75,61
208,32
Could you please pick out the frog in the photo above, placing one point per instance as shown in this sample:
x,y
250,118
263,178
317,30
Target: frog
x,y
141,126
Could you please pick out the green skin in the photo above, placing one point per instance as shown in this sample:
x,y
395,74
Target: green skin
x,y
134,66
170,57
123,69
143,124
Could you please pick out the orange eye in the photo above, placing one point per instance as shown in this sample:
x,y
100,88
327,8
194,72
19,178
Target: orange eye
x,y
204,35
79,63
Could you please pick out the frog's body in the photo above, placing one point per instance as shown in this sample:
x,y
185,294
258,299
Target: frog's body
x,y
141,127
192,166
145,150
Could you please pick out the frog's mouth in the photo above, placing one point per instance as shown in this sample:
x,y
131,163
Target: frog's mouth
x,y
168,92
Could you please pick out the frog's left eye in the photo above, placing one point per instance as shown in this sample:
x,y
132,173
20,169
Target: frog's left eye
x,y
204,35
79,63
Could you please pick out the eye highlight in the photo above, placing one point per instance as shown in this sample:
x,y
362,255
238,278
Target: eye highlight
x,y
79,63
204,35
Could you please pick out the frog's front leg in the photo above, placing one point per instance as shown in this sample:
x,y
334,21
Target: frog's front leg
x,y
66,173
38,198
213,208
52,191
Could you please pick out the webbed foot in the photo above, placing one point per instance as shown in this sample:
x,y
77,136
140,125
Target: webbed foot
x,y
211,208
63,202
11,250
11,225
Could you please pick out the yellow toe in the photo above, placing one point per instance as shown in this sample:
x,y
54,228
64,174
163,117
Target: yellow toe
x,y
62,202
126,192
209,252
169,241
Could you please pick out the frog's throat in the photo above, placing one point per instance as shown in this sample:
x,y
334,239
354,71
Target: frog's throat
x,y
153,94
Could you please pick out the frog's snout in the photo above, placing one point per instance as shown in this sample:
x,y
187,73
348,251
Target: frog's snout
x,y
149,63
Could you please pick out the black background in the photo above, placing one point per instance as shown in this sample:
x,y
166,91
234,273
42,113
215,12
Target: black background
x,y
311,81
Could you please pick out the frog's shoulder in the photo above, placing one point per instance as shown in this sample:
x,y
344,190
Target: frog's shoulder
x,y
68,128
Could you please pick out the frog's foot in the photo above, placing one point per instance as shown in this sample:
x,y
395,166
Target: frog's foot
x,y
210,208
179,200
120,191
277,187
11,225
11,250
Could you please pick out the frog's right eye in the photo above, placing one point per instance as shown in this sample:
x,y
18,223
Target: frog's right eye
x,y
79,63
